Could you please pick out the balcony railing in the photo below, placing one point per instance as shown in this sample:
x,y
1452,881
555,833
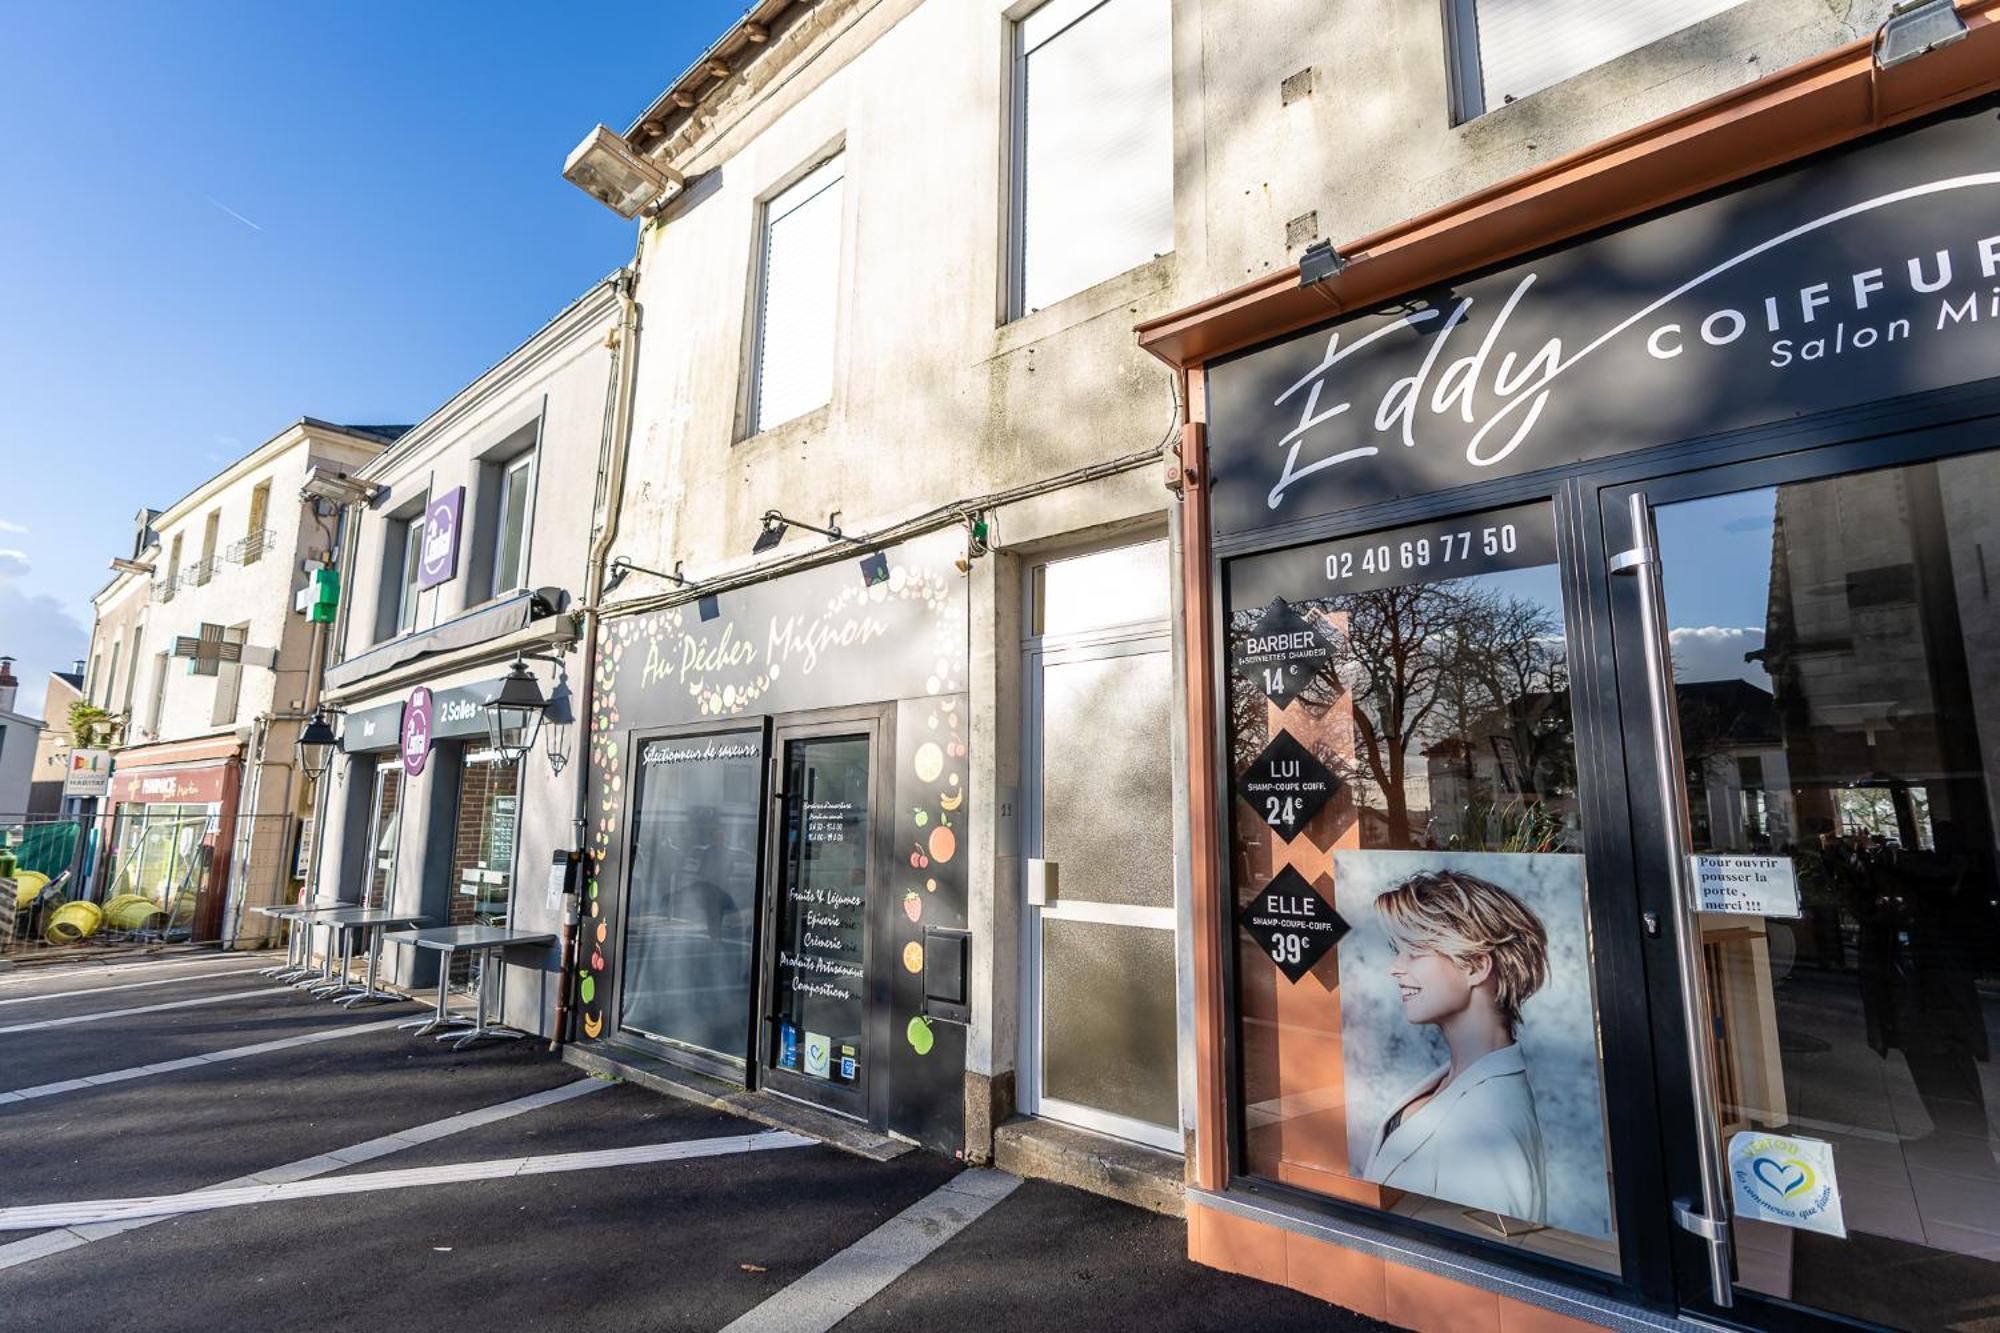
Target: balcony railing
x,y
199,573
248,550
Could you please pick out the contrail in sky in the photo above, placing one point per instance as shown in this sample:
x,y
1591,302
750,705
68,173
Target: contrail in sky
x,y
232,212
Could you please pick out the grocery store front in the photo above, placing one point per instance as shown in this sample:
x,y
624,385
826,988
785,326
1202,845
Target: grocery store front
x,y
173,814
1597,786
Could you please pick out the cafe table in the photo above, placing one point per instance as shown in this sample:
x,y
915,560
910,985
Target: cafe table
x,y
297,969
483,943
347,923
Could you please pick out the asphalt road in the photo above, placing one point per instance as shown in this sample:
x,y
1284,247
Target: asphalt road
x,y
659,1245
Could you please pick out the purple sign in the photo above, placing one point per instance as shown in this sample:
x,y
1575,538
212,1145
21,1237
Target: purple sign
x,y
437,559
416,731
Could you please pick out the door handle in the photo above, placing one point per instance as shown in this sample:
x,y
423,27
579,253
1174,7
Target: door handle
x,y
1042,881
1709,1221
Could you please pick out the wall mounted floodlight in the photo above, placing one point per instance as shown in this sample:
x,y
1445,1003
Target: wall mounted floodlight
x,y
623,566
776,523
326,484
609,170
1914,28
1320,262
771,534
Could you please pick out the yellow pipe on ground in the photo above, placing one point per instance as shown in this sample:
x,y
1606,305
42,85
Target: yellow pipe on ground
x,y
73,922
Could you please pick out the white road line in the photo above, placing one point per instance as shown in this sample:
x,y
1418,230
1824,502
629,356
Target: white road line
x,y
28,976
847,1281
70,1020
94,1212
130,985
193,1061
19,1252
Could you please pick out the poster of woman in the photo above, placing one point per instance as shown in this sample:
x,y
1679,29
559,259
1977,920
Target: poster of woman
x,y
1469,1032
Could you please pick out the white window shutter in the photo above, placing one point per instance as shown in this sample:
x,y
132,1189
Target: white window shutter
x,y
1528,45
795,329
1097,149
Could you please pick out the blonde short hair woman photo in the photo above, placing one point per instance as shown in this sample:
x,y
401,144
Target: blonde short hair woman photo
x,y
1468,956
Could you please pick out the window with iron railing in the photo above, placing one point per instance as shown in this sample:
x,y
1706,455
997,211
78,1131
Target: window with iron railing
x,y
248,550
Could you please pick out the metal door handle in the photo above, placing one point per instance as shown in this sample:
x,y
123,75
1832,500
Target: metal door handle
x,y
1042,881
1711,1220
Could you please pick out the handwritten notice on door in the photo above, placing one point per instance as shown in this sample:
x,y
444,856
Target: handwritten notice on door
x,y
1747,885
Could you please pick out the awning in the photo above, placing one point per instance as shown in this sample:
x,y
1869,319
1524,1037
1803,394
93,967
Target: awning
x,y
481,625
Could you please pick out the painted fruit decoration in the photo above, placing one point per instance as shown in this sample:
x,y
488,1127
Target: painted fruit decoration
x,y
950,801
929,761
943,845
918,860
930,886
922,816
593,1026
919,1035
913,956
913,906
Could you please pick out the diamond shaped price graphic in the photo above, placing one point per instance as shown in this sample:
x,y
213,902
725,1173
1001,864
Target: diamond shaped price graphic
x,y
1286,785
1292,923
1283,653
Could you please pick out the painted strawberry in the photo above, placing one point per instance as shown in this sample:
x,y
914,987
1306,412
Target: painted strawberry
x,y
913,906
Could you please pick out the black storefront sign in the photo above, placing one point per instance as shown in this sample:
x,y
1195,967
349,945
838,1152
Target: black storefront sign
x,y
1287,785
367,729
1283,654
456,713
1862,275
1292,924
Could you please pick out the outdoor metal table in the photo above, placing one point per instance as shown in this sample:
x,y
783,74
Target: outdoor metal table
x,y
298,943
345,923
483,941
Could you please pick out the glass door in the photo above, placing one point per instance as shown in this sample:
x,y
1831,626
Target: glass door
x,y
820,985
1808,661
385,823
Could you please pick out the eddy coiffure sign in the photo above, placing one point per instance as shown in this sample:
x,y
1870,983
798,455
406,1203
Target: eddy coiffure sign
x,y
1859,275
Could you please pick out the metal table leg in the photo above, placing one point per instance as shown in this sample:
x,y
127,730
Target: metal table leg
x,y
339,985
442,1018
498,1031
368,990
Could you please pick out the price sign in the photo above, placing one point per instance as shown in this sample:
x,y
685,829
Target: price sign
x,y
1283,653
1292,923
1287,785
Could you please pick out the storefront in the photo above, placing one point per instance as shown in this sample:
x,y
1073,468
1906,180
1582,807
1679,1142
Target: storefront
x,y
777,895
1596,779
173,811
427,817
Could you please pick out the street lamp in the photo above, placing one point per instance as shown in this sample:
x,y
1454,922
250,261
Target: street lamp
x,y
316,745
514,715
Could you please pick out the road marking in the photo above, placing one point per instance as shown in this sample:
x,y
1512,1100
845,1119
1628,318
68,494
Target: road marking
x,y
193,1061
70,1020
28,976
850,1279
129,985
19,1252
95,1212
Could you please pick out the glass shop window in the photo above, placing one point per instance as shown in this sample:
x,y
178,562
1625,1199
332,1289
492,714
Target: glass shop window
x,y
1416,1009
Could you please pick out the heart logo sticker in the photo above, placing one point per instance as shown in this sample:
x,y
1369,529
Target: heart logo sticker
x,y
1783,1178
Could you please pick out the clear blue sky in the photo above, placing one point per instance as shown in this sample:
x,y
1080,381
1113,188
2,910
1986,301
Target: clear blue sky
x,y
217,218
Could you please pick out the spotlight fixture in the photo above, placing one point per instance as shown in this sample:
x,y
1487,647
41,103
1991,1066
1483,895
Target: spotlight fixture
x,y
615,174
776,523
773,532
1320,262
623,566
1915,27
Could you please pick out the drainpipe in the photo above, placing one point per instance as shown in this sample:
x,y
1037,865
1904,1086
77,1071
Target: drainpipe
x,y
613,452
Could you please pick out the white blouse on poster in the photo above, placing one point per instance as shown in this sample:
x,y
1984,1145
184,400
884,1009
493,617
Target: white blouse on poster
x,y
1477,1142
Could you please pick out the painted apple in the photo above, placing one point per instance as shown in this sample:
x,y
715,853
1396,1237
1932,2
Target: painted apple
x,y
913,956
922,816
944,845
919,1035
588,990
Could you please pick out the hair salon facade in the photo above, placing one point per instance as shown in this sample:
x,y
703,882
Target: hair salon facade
x,y
465,563
1589,603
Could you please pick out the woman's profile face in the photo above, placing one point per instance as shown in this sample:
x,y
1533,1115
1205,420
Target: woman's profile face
x,y
1432,986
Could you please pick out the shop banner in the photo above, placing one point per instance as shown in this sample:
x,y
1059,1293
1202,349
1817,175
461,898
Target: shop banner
x,y
372,729
437,555
88,775
1468,1032
416,736
1858,275
184,786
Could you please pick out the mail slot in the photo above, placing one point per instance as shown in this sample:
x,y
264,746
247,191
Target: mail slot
x,y
945,968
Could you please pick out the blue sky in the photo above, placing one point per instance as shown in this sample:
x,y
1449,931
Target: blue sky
x,y
217,218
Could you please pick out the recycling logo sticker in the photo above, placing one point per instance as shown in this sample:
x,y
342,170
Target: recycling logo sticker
x,y
1283,654
1287,785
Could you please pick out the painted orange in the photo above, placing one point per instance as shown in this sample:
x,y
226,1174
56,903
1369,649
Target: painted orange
x,y
1239,1245
1336,1274
1521,1317
1433,1304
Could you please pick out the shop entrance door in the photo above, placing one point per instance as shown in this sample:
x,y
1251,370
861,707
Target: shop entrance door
x,y
823,990
1808,649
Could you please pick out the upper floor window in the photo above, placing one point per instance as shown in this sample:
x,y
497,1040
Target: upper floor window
x,y
510,544
211,532
111,676
173,582
1093,145
1502,50
797,292
255,538
402,564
